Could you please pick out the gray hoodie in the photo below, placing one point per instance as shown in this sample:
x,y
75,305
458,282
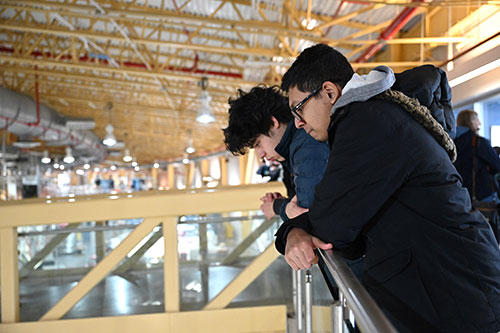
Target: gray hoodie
x,y
361,88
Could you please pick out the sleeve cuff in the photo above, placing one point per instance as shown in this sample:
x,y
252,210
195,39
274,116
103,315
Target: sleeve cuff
x,y
277,203
301,221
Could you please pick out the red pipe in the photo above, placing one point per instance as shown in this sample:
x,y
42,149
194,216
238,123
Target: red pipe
x,y
86,58
389,33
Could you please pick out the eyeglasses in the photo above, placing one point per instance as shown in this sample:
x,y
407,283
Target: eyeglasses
x,y
297,108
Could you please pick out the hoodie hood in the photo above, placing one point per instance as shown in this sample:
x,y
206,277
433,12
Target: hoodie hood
x,y
361,88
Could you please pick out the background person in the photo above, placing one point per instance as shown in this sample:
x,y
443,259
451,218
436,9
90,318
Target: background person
x,y
486,158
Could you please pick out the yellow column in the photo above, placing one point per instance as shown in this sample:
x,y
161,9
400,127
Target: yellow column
x,y
190,169
223,171
243,168
171,266
171,176
154,176
205,169
249,167
9,275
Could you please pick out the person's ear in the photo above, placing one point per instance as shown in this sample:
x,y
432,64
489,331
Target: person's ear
x,y
276,123
332,91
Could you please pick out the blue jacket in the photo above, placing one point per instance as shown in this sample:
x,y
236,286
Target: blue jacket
x,y
306,159
486,158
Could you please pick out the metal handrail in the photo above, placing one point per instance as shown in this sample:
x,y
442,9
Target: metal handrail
x,y
368,315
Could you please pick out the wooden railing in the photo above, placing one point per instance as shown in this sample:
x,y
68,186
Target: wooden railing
x,y
156,209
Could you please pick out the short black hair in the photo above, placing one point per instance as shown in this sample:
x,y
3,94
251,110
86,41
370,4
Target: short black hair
x,y
315,65
250,116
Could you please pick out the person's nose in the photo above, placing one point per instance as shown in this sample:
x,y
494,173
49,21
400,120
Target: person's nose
x,y
260,153
299,123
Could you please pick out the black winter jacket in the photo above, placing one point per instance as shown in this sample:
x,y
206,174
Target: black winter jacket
x,y
391,192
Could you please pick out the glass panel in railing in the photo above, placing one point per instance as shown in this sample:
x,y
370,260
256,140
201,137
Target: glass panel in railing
x,y
272,287
214,249
54,258
322,300
133,286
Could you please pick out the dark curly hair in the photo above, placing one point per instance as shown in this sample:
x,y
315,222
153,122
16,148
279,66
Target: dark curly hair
x,y
315,65
250,116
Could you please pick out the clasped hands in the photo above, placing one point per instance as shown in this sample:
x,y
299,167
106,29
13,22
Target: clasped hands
x,y
300,246
292,208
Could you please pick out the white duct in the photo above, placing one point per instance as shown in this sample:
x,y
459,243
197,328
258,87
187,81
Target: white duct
x,y
18,116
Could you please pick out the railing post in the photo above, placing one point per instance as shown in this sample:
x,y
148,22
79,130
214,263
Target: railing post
x,y
171,265
9,275
337,317
308,303
299,313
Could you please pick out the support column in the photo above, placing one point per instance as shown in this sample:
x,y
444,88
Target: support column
x,y
171,265
223,171
9,275
171,176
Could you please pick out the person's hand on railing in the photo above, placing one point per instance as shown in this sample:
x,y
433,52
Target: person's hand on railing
x,y
267,209
293,210
299,251
268,202
269,197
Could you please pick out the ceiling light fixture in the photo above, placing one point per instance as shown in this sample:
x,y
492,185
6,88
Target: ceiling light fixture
x,y
68,159
190,148
126,156
109,139
46,159
205,114
185,160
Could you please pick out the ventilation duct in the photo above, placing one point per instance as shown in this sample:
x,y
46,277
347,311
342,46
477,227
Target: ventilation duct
x,y
18,116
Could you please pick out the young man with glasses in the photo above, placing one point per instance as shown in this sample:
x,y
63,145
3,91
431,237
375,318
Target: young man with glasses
x,y
390,191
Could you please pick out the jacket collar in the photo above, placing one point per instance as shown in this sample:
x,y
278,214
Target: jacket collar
x,y
361,88
283,147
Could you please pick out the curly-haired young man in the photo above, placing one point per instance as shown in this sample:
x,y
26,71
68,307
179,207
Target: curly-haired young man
x,y
261,119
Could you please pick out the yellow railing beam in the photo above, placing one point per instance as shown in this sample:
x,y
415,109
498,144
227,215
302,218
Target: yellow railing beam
x,y
248,275
141,205
269,319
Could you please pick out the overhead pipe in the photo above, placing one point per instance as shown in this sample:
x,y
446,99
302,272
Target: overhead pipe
x,y
15,116
389,33
103,60
37,98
